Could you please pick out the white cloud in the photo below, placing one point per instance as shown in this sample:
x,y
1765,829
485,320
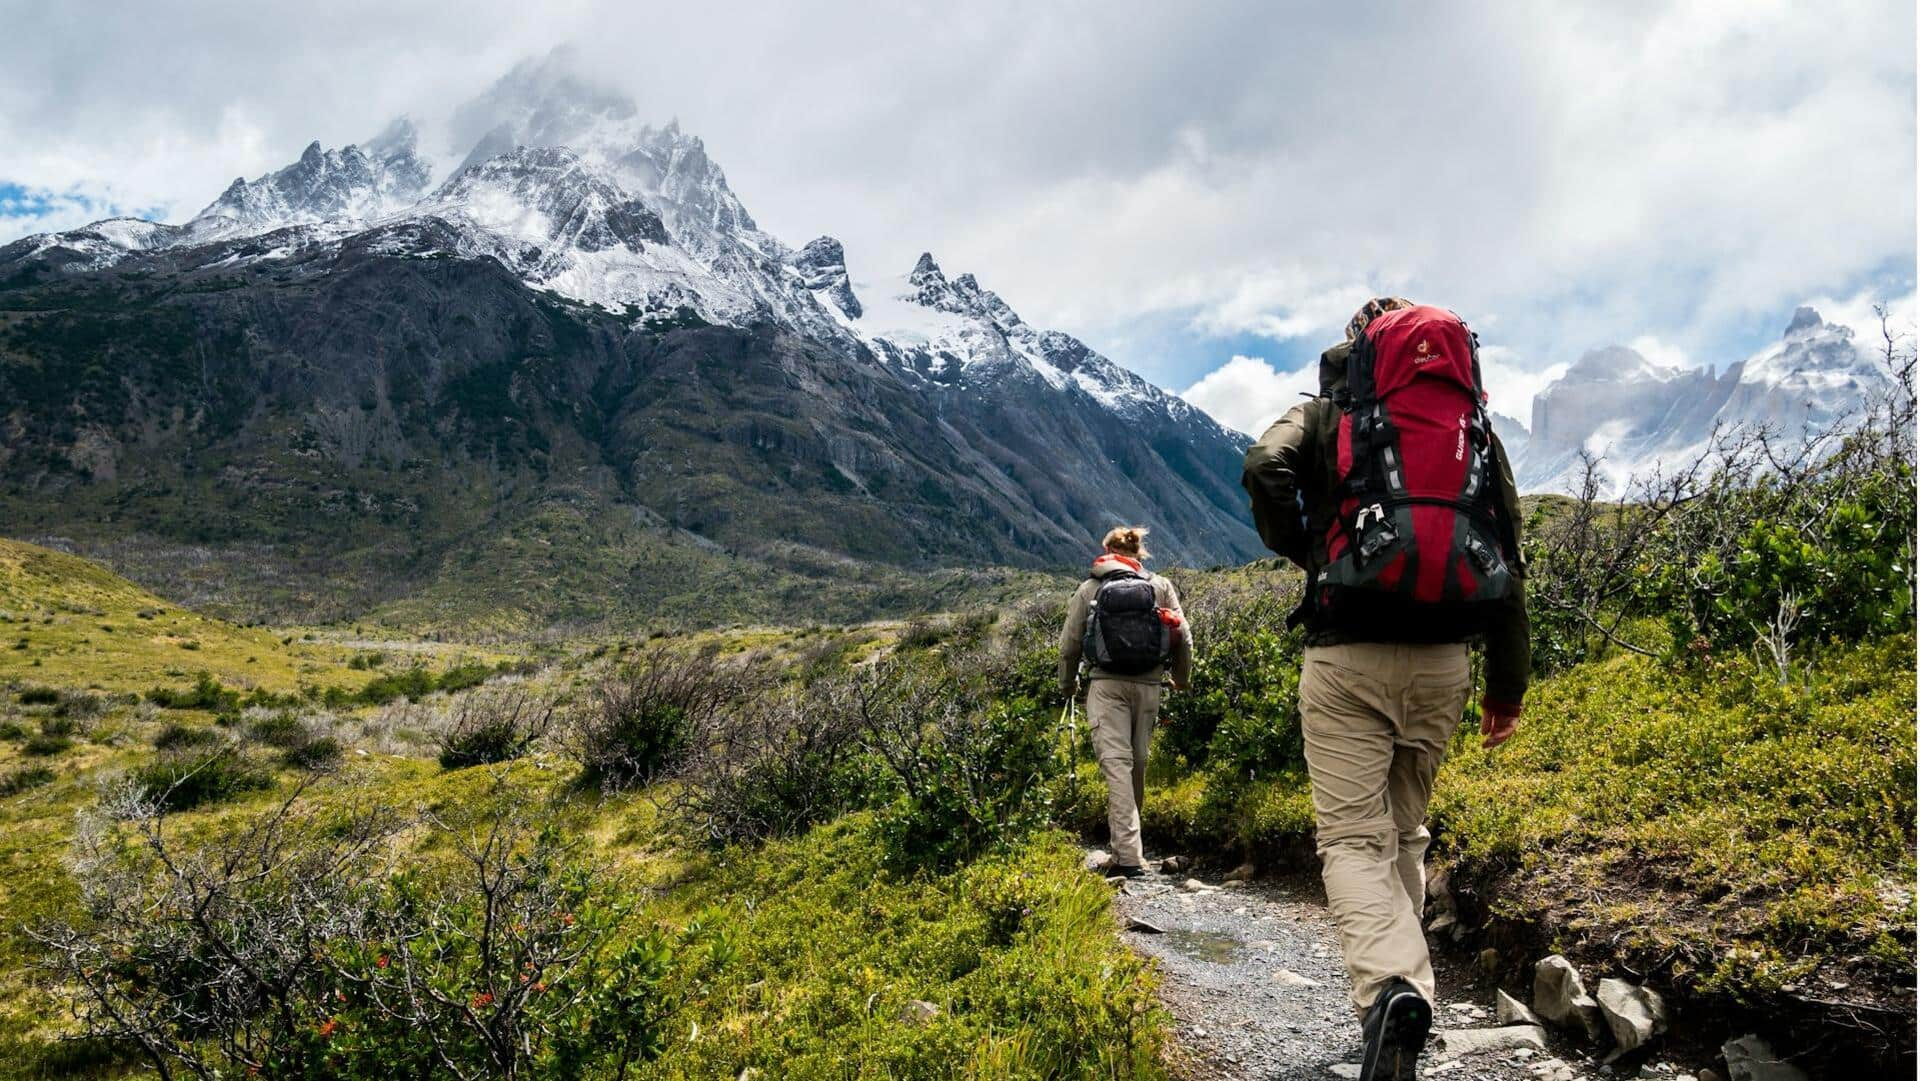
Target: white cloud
x,y
1247,394
1664,354
1681,169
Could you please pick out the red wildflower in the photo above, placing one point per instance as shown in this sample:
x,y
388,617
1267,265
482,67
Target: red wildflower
x,y
326,1029
484,998
380,962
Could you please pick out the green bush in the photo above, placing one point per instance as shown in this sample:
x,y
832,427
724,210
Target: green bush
x,y
1240,706
316,754
206,693
496,725
282,730
46,746
183,780
176,737
38,696
638,723
974,774
267,948
1843,574
22,778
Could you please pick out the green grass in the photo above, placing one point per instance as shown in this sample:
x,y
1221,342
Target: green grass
x,y
809,956
1770,825
68,622
1736,835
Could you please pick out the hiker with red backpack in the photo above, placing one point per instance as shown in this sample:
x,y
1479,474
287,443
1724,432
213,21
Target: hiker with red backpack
x,y
1392,492
1125,623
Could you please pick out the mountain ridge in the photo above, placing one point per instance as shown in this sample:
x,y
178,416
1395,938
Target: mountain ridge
x,y
598,330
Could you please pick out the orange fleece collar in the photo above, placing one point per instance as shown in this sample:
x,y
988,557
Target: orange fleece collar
x,y
1109,559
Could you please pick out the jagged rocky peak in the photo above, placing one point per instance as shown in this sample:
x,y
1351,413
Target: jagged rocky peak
x,y
353,182
549,195
1805,322
551,102
822,268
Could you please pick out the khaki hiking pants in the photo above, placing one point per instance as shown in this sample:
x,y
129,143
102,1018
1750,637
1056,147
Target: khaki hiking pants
x,y
1122,715
1377,717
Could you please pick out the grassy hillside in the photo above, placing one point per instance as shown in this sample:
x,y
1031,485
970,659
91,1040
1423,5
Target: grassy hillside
x,y
68,622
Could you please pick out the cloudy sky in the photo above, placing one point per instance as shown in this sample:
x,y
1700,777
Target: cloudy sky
x,y
1202,191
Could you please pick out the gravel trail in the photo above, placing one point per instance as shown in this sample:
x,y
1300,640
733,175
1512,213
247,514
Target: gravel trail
x,y
1252,975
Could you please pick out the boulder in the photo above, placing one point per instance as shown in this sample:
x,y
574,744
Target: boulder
x,y
1242,873
1560,996
919,1012
1635,1015
1751,1058
1175,865
1511,1011
1470,1041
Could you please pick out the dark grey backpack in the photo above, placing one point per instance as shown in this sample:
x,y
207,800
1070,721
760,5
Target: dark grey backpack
x,y
1125,634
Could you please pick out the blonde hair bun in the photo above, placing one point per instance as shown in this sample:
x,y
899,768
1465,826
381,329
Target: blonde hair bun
x,y
1127,540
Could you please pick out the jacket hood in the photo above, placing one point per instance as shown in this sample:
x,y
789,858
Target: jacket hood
x,y
1333,369
1108,563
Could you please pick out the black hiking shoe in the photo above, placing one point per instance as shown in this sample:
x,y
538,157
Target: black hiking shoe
x,y
1124,870
1394,1031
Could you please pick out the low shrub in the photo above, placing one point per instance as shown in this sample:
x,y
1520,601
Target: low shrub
x,y
638,722
318,754
38,696
189,778
176,737
280,729
267,949
974,773
494,726
773,766
46,746
206,693
82,705
22,778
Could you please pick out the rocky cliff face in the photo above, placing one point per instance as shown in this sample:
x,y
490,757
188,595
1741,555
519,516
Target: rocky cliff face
x,y
344,355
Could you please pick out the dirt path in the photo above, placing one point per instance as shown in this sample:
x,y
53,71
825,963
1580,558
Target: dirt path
x,y
1252,975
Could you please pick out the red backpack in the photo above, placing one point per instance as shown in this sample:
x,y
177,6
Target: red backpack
x,y
1418,537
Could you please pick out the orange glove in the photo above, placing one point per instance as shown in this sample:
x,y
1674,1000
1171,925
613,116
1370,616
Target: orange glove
x,y
1498,720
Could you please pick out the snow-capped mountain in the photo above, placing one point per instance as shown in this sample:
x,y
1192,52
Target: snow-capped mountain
x,y
352,184
567,187
574,305
1636,415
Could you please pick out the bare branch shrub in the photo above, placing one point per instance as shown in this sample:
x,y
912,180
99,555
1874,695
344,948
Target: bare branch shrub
x,y
494,723
773,764
309,943
639,722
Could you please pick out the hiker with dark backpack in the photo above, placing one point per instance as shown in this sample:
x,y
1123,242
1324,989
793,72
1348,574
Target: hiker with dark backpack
x,y
1125,623
1391,491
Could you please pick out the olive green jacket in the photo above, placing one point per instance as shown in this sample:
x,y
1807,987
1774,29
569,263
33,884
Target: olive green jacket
x,y
1290,478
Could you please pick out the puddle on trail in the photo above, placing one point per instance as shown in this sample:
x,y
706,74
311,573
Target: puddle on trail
x,y
1214,946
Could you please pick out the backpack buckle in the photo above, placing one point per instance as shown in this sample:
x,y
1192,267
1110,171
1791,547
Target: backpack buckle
x,y
1382,535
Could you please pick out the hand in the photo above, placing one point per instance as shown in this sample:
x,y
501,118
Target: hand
x,y
1497,723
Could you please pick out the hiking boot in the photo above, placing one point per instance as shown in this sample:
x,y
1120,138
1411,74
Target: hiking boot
x,y
1394,1031
1123,870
